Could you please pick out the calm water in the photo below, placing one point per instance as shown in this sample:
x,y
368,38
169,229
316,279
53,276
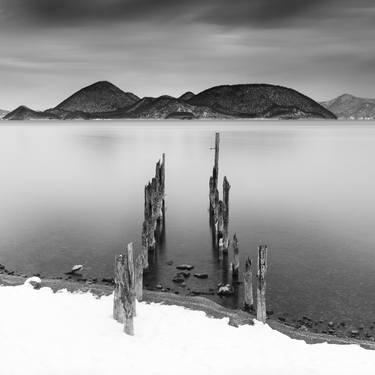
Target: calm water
x,y
73,193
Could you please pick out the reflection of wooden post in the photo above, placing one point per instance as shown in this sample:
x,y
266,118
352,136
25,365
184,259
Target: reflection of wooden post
x,y
248,286
221,256
226,188
261,285
139,276
236,258
124,296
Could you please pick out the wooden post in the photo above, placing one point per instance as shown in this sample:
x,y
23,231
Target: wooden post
x,y
248,286
226,188
139,276
236,258
215,174
124,295
261,285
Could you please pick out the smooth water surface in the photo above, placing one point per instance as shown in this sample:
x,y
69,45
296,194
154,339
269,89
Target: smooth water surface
x,y
73,193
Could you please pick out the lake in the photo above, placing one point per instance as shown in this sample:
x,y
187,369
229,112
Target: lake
x,y
72,193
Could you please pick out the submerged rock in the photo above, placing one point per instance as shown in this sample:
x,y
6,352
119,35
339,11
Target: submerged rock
x,y
201,275
186,267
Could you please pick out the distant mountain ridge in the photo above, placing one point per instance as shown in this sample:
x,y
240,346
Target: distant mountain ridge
x,y
103,100
350,107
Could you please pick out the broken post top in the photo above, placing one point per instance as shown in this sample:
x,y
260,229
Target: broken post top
x,y
248,264
262,261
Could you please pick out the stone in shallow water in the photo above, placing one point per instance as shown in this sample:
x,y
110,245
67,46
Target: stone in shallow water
x,y
201,275
187,267
225,290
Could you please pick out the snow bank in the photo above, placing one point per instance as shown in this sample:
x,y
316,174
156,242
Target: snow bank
x,y
42,333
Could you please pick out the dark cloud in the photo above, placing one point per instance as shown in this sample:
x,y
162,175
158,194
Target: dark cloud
x,y
257,13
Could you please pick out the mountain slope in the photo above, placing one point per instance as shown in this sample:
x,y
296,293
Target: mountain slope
x,y
3,113
99,97
260,101
187,96
164,106
25,113
351,107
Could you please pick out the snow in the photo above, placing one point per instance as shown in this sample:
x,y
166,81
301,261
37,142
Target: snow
x,y
42,333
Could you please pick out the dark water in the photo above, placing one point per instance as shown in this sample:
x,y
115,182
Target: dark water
x,y
73,193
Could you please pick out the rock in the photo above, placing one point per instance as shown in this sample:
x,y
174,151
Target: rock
x,y
108,280
159,286
331,331
186,267
176,292
185,274
354,332
330,324
2,267
269,312
281,319
225,290
169,263
178,279
34,281
201,275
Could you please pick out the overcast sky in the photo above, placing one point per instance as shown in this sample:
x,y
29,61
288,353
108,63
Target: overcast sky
x,y
51,48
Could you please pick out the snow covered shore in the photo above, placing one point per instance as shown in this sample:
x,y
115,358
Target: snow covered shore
x,y
44,333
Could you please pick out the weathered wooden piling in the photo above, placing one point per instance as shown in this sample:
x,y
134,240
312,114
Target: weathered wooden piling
x,y
226,188
214,194
236,258
154,210
124,294
248,286
261,283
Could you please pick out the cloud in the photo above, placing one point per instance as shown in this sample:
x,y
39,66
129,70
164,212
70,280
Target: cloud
x,y
242,13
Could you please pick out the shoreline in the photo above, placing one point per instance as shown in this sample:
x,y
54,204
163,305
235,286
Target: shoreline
x,y
210,308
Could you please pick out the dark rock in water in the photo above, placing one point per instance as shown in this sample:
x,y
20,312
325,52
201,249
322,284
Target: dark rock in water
x,y
281,319
179,278
186,267
331,331
2,267
354,332
225,290
185,274
201,275
269,312
176,292
108,280
169,263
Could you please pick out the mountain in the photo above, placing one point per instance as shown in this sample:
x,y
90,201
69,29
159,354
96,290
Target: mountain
x,y
25,113
187,96
103,100
99,97
351,107
260,101
3,113
162,108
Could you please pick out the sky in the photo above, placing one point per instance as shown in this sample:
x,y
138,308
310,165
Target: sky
x,y
51,48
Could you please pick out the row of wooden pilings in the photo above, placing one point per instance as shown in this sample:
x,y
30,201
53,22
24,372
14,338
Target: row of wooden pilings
x,y
130,265
219,221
